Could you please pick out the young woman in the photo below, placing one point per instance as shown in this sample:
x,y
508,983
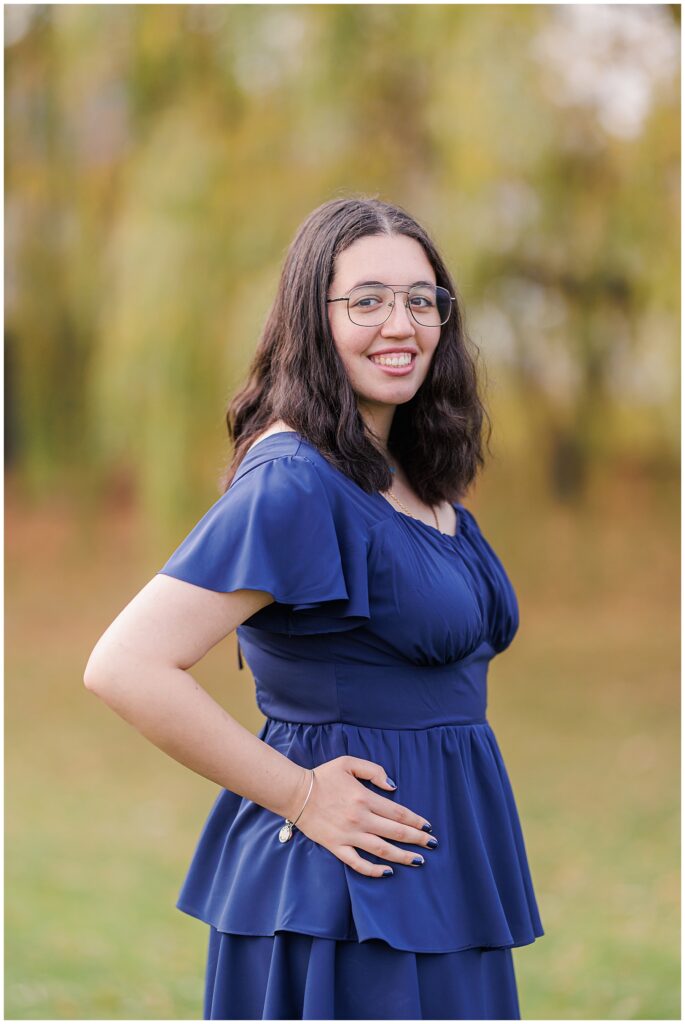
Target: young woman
x,y
364,858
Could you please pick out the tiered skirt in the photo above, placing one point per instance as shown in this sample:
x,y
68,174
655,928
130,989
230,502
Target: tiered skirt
x,y
289,976
297,934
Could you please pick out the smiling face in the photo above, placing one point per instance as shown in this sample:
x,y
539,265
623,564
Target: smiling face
x,y
399,261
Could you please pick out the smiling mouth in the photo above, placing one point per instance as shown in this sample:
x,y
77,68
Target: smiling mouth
x,y
398,360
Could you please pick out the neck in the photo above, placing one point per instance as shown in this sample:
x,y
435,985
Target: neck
x,y
378,420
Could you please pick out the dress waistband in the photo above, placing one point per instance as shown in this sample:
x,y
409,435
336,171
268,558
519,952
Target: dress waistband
x,y
374,696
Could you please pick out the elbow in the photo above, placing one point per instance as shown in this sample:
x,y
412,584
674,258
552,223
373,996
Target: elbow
x,y
98,674
92,679
113,675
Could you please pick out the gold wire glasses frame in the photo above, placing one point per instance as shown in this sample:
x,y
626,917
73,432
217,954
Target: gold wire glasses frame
x,y
367,316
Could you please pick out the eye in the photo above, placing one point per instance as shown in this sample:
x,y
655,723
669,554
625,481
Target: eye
x,y
369,300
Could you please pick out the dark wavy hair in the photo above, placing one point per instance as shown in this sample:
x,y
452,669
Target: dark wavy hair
x,y
297,375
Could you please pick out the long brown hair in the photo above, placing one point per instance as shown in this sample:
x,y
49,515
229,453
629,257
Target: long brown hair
x,y
296,373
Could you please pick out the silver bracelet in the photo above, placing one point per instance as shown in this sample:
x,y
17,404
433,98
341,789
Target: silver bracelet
x,y
287,830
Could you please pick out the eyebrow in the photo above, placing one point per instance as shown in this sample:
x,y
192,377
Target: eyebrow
x,y
360,283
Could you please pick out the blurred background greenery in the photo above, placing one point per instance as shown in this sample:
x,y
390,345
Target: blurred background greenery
x,y
158,161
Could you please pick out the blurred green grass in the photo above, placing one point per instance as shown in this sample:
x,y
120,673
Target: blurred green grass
x,y
100,825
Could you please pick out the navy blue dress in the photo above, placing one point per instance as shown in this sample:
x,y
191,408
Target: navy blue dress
x,y
377,645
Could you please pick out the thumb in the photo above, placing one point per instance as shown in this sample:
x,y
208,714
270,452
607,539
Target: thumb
x,y
362,769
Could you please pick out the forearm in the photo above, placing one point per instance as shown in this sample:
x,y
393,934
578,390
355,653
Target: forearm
x,y
170,708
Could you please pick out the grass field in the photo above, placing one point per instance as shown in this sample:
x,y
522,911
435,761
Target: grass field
x,y
100,825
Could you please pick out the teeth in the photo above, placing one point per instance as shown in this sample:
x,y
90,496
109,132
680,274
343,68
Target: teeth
x,y
402,360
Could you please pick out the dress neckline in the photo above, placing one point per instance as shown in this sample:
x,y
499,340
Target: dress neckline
x,y
458,508
433,529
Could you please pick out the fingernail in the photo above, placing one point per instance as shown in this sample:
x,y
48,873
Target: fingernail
x,y
418,860
391,783
432,842
427,827
388,871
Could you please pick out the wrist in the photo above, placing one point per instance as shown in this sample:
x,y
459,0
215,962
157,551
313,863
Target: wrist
x,y
296,792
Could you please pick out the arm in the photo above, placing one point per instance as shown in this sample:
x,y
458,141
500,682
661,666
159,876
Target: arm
x,y
139,669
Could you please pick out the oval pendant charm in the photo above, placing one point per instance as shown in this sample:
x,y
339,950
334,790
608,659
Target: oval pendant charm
x,y
286,832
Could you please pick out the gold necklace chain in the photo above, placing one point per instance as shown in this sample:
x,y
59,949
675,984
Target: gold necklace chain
x,y
407,512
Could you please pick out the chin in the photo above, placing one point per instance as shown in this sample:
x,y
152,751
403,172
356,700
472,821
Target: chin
x,y
388,396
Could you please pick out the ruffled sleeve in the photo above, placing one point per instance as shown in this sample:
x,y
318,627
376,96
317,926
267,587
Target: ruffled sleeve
x,y
278,529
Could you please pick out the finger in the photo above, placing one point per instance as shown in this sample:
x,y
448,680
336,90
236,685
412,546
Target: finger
x,y
381,848
375,773
386,808
388,829
348,855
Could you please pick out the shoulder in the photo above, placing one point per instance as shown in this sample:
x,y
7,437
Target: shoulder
x,y
280,481
277,427
285,456
287,471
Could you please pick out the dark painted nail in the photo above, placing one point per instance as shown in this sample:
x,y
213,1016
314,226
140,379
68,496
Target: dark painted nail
x,y
432,842
391,783
388,871
427,827
418,860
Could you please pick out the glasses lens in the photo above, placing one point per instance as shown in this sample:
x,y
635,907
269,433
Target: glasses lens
x,y
369,305
430,305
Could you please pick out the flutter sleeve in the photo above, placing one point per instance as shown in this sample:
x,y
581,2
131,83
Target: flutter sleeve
x,y
276,529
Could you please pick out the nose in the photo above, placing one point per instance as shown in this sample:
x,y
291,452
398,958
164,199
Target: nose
x,y
400,323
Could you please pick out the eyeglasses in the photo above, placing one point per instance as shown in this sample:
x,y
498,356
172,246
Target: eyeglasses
x,y
370,305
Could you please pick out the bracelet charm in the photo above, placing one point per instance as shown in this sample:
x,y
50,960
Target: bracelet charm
x,y
286,832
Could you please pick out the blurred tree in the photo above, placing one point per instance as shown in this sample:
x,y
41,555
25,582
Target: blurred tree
x,y
159,158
